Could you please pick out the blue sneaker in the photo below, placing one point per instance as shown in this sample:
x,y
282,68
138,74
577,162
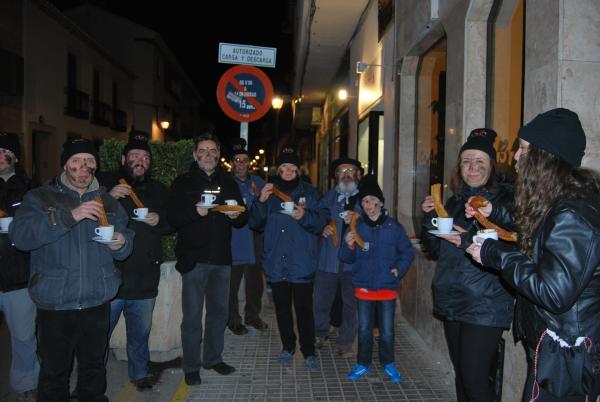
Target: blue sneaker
x,y
358,372
392,372
285,357
312,362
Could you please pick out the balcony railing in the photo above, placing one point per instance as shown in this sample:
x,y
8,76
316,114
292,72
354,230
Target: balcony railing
x,y
119,120
102,114
78,104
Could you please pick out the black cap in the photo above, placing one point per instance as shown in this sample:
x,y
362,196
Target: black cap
x,y
559,132
481,139
10,141
238,147
368,186
137,140
288,155
344,161
77,146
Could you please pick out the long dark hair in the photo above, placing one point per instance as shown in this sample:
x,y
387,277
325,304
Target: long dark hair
x,y
542,181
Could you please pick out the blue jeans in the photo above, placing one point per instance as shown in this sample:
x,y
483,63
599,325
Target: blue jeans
x,y
138,322
19,313
386,310
325,289
210,282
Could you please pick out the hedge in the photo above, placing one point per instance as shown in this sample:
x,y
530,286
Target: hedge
x,y
169,160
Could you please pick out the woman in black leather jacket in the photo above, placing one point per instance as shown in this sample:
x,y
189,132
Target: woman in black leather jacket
x,y
556,266
474,305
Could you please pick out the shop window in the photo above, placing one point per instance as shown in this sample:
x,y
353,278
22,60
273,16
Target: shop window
x,y
504,103
430,132
370,152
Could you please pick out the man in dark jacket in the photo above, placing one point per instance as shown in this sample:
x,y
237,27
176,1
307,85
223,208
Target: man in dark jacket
x,y
15,303
73,275
243,246
140,272
204,255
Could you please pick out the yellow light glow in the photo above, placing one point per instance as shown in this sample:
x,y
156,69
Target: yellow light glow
x,y
261,151
342,94
277,102
165,124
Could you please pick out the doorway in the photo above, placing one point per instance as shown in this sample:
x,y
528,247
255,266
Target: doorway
x,y
43,167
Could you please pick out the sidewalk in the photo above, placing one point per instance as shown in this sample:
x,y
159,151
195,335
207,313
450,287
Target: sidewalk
x,y
259,377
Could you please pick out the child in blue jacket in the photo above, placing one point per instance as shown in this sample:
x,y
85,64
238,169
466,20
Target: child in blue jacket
x,y
376,277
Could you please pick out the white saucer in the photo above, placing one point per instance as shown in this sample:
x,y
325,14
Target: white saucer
x,y
230,212
283,211
438,233
207,206
3,231
140,219
101,240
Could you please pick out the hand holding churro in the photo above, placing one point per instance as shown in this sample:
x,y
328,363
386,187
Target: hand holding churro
x,y
102,218
479,202
136,200
436,193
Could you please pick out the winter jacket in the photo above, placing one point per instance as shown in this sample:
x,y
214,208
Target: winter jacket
x,y
14,264
387,248
290,246
140,272
561,281
461,290
336,203
242,239
68,269
202,239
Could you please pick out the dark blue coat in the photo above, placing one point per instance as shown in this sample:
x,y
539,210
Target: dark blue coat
x,y
388,248
290,246
242,239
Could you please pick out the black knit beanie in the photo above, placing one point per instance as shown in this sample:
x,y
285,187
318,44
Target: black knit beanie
x,y
481,139
137,140
288,155
368,186
559,132
238,147
10,141
77,146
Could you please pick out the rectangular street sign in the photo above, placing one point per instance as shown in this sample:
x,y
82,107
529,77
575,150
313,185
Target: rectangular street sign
x,y
244,54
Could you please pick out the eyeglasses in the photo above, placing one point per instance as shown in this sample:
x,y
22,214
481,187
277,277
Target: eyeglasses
x,y
347,170
204,151
241,160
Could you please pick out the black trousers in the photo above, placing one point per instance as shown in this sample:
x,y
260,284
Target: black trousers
x,y
67,333
300,295
254,291
473,352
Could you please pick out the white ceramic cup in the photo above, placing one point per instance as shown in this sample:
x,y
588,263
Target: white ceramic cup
x,y
444,225
343,214
485,234
105,232
207,199
231,202
141,212
5,223
288,206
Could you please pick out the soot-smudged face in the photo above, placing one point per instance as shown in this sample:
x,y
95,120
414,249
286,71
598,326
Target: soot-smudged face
x,y
80,170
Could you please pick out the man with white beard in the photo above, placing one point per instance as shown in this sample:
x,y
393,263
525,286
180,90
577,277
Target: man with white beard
x,y
331,272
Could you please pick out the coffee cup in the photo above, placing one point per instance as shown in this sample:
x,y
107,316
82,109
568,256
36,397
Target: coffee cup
x,y
105,232
5,223
141,212
207,199
288,206
231,202
344,214
444,225
485,234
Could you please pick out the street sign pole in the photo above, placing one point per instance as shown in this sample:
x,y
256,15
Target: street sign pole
x,y
244,131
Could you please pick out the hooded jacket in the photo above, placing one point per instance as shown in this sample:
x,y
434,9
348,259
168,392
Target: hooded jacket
x,y
140,272
462,291
14,273
202,239
290,246
68,269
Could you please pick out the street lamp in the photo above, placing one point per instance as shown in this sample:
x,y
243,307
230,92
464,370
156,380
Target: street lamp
x,y
277,103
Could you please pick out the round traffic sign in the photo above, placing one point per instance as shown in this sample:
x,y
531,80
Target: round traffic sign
x,y
244,93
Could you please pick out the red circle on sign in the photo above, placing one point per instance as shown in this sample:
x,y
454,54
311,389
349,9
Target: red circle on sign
x,y
237,101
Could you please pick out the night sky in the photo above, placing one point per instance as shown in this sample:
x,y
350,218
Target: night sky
x,y
193,35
